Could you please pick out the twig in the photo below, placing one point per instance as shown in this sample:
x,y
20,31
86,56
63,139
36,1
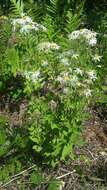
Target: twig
x,y
4,185
24,171
91,154
17,176
59,177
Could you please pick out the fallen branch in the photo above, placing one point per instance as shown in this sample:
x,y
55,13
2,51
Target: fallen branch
x,y
24,171
66,174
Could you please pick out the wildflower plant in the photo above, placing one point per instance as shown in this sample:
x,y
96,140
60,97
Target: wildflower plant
x,y
60,79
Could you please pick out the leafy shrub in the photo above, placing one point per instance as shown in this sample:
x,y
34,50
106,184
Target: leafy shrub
x,y
63,83
61,77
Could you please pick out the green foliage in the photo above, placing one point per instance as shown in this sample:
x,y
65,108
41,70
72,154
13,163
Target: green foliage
x,y
54,185
53,8
53,133
35,10
16,7
4,142
10,169
36,178
73,20
5,33
13,60
11,138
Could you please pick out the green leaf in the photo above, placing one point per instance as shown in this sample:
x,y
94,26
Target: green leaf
x,y
36,178
13,60
2,137
3,151
66,150
54,126
54,185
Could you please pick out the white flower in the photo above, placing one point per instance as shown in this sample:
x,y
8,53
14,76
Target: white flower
x,y
52,105
74,81
87,92
92,75
46,46
65,61
45,63
66,76
27,19
88,81
99,66
79,71
54,46
43,28
33,76
97,58
21,21
84,31
92,41
63,78
25,29
88,35
79,84
23,14
37,27
26,24
65,90
74,35
75,56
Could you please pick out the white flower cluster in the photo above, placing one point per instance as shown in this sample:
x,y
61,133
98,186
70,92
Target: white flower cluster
x,y
65,61
45,63
88,92
92,75
33,76
89,35
70,54
65,57
26,25
79,71
74,79
47,46
75,56
63,78
67,53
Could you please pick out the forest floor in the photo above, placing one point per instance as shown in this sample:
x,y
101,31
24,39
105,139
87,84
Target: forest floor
x,y
89,170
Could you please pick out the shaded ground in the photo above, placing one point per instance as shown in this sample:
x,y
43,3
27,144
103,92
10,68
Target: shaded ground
x,y
89,170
